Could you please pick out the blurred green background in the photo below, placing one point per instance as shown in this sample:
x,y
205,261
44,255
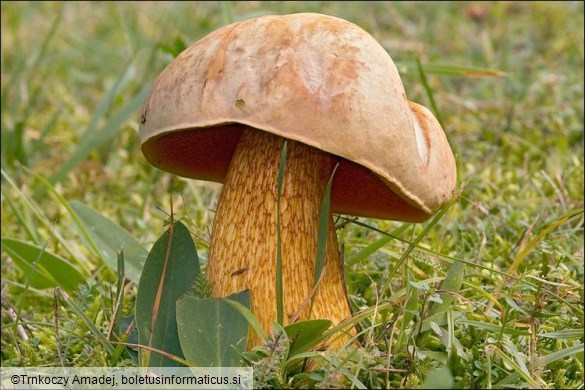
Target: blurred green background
x,y
507,79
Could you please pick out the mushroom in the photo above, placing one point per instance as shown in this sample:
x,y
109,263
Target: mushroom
x,y
222,110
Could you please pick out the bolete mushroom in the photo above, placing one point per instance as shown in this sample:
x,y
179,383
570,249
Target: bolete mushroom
x,y
222,110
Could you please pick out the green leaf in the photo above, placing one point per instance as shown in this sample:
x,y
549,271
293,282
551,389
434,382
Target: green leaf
x,y
324,220
494,328
452,283
170,271
249,316
410,309
575,350
439,378
109,238
45,269
449,70
549,228
563,334
430,94
212,332
304,335
521,371
558,355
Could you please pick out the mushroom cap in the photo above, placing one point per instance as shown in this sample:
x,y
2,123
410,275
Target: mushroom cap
x,y
314,79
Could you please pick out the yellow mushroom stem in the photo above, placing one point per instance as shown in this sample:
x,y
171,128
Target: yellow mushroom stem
x,y
243,247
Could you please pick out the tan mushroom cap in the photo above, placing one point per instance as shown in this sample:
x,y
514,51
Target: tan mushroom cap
x,y
310,78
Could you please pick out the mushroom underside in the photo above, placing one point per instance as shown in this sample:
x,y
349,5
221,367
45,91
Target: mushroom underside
x,y
206,153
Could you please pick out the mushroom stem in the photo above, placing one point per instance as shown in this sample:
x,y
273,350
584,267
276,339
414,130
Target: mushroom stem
x,y
242,253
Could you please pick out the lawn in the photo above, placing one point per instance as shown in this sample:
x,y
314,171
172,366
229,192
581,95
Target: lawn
x,y
487,294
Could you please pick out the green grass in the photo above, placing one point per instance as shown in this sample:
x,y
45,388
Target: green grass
x,y
74,75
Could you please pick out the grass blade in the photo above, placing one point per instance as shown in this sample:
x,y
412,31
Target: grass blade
x,y
252,320
543,361
106,103
96,139
70,302
71,212
550,227
324,219
20,218
227,12
117,312
518,370
495,328
409,311
13,143
430,94
450,70
563,334
379,243
38,212
416,241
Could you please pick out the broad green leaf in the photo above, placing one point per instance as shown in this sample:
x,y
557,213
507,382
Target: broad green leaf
x,y
304,335
212,333
170,271
109,238
439,378
441,357
45,269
